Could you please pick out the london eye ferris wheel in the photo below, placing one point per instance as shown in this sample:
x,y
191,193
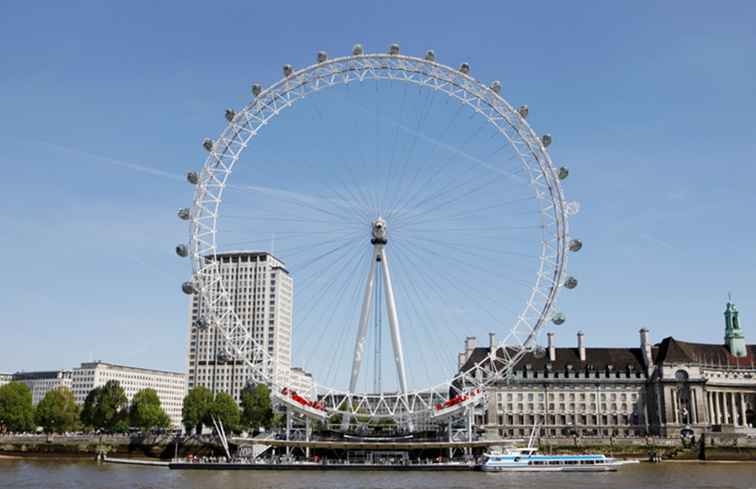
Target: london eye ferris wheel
x,y
413,207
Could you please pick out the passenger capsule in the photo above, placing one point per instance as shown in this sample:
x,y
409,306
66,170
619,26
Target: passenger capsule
x,y
523,111
572,208
188,288
256,89
563,172
182,250
192,177
358,50
184,214
201,324
558,318
575,245
430,55
287,70
496,87
223,357
394,49
230,115
546,140
322,56
539,351
464,68
570,282
207,144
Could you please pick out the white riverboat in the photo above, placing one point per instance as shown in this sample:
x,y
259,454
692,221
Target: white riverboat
x,y
528,460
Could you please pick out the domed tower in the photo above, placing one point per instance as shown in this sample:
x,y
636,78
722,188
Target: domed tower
x,y
733,334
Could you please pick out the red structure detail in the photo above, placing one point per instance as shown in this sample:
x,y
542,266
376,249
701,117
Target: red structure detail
x,y
301,400
460,398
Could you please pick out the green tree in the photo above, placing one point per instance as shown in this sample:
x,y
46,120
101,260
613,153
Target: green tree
x,y
146,411
196,409
257,410
225,410
16,409
88,409
111,411
278,420
57,412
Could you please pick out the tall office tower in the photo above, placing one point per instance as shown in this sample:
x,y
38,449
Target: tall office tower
x,y
263,293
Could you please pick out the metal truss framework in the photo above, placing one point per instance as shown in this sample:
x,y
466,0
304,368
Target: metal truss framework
x,y
460,86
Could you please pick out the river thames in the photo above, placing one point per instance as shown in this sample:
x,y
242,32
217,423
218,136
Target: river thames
x,y
16,474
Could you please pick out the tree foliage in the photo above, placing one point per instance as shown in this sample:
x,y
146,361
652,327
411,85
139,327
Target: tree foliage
x,y
57,412
196,409
146,412
111,409
87,410
226,411
257,410
16,409
106,408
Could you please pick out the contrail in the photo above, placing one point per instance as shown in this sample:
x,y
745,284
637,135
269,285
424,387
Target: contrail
x,y
274,192
115,162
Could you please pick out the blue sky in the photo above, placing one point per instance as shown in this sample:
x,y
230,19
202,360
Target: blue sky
x,y
651,106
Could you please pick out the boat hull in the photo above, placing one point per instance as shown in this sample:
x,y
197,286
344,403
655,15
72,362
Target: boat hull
x,y
555,468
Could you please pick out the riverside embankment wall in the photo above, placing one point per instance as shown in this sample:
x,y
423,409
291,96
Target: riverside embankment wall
x,y
88,445
708,447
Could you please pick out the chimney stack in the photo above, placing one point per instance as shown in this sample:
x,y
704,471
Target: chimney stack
x,y
645,344
581,345
552,348
470,344
492,342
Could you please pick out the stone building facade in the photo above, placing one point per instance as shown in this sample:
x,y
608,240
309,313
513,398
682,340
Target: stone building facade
x,y
653,389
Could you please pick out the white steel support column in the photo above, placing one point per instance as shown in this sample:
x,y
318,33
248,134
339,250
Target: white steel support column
x,y
362,331
379,255
288,430
451,439
308,432
396,339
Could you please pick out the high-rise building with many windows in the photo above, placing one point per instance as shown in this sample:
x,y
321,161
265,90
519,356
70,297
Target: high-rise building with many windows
x,y
262,292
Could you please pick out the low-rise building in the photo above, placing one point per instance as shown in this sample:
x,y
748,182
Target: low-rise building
x,y
40,383
654,389
170,386
5,378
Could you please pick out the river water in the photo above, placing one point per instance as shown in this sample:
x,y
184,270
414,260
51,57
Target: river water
x,y
89,475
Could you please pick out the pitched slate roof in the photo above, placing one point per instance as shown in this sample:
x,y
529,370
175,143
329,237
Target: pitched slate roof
x,y
671,350
596,359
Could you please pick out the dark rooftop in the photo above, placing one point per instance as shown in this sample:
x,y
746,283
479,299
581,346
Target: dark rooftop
x,y
671,350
